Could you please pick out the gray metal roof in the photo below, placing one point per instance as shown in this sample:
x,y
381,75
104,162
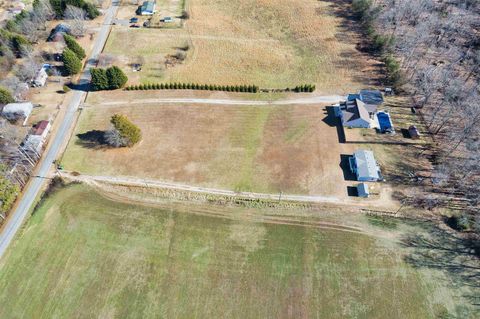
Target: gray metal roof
x,y
366,164
362,190
148,6
373,97
355,109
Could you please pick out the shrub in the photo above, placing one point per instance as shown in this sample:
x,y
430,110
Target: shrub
x,y
5,96
74,46
71,62
126,129
162,86
459,222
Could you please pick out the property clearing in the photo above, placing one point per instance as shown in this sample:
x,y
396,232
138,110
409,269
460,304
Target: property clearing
x,y
270,149
270,43
102,258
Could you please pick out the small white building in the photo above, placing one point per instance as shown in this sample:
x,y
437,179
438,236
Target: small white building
x,y
40,78
364,166
33,143
148,8
16,111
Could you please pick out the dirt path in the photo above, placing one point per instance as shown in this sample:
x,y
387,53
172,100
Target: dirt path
x,y
149,183
329,99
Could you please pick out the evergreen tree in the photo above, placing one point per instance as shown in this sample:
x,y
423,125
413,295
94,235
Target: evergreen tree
x,y
128,131
71,62
116,78
99,79
5,96
74,46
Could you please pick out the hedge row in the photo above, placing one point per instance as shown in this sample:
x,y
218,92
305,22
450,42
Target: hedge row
x,y
304,88
194,86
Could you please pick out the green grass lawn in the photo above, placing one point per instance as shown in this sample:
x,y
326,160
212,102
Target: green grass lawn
x,y
84,256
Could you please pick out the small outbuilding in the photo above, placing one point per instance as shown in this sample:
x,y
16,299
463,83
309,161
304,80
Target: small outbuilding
x,y
33,143
364,166
17,111
362,190
413,132
57,33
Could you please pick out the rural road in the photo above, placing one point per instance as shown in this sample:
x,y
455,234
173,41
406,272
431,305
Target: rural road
x,y
330,99
17,216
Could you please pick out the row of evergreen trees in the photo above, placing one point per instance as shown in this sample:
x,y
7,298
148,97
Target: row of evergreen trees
x,y
72,56
304,88
194,86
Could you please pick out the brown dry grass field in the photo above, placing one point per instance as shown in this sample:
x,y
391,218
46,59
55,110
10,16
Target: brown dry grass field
x,y
271,43
250,148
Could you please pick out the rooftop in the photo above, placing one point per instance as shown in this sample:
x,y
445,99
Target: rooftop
x,y
354,110
366,164
373,97
40,127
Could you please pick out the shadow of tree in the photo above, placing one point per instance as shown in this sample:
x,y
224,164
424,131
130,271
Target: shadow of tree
x,y
455,256
92,139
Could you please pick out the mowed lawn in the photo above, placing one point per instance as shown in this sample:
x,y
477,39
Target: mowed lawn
x,y
270,43
84,256
245,148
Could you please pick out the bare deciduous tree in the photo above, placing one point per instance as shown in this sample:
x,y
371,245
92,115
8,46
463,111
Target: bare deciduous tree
x,y
77,17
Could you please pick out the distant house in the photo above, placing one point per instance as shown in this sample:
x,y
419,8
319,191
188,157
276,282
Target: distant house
x,y
33,143
57,33
17,111
413,132
362,190
147,8
354,114
364,166
40,78
41,129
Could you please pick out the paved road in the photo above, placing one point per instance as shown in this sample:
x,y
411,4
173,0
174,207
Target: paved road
x,y
16,218
325,99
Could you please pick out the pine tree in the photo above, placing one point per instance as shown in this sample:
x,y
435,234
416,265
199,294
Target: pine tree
x,y
99,79
71,62
116,78
5,96
74,46
126,129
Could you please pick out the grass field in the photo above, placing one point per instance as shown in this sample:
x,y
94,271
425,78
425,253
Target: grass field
x,y
84,256
245,148
271,43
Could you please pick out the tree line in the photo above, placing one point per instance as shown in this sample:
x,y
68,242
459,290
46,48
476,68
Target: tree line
x,y
194,86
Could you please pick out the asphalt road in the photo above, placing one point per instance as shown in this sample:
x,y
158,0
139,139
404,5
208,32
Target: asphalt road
x,y
17,216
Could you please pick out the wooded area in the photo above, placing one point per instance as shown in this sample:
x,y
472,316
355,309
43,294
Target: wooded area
x,y
437,48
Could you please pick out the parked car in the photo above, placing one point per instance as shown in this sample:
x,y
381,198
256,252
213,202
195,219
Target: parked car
x,y
167,19
133,20
134,26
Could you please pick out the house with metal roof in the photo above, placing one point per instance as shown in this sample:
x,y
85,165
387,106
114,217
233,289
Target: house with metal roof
x,y
364,166
355,114
148,8
17,111
371,97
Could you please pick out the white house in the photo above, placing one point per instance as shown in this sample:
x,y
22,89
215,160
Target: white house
x,y
148,8
365,167
15,111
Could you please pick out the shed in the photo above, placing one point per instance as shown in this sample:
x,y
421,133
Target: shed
x,y
147,8
15,111
364,166
362,190
413,132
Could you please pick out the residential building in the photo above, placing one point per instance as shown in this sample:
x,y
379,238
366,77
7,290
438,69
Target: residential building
x,y
355,114
41,129
40,78
17,111
148,8
362,190
364,166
